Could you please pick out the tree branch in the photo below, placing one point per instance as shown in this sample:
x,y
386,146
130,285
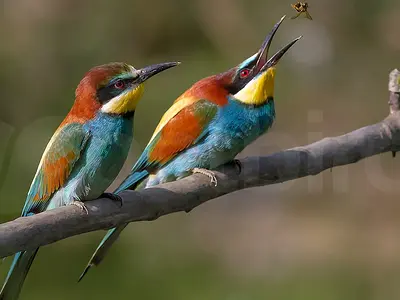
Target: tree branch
x,y
184,195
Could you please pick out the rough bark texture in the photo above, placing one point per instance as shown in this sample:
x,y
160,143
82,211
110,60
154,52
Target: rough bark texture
x,y
184,195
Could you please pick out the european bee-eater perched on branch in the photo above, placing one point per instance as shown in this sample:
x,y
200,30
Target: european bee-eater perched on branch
x,y
206,127
87,150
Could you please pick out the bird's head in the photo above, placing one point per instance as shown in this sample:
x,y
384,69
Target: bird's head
x,y
252,81
113,88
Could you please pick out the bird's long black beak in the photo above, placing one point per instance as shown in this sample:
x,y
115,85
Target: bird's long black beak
x,y
278,55
262,55
263,62
150,71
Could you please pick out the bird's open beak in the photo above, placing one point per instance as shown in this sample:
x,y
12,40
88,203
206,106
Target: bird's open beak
x,y
149,71
263,63
262,55
278,55
261,86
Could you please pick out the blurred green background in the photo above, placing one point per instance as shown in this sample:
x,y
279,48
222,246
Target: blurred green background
x,y
331,236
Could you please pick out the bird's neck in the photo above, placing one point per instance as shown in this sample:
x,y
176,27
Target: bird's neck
x,y
84,109
115,117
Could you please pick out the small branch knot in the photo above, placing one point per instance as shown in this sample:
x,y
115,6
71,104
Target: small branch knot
x,y
394,89
394,81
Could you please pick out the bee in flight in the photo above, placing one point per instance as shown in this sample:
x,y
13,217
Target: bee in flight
x,y
301,8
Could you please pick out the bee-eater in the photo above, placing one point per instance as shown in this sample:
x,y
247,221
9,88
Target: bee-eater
x,y
207,126
86,152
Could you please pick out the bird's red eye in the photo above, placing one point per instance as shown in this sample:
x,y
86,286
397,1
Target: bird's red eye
x,y
119,84
244,73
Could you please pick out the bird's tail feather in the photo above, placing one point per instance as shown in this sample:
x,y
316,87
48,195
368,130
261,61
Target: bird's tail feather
x,y
112,235
17,274
132,181
102,249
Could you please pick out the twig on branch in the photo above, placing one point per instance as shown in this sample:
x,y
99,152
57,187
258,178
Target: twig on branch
x,y
184,195
394,89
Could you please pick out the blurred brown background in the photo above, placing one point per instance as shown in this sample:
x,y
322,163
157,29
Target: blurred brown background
x,y
332,236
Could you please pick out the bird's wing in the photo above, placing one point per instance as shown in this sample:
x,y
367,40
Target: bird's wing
x,y
59,157
182,126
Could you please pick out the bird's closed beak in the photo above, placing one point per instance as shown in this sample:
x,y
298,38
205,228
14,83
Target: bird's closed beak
x,y
149,71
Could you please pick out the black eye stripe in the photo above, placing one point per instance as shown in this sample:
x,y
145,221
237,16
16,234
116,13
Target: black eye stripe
x,y
108,92
125,81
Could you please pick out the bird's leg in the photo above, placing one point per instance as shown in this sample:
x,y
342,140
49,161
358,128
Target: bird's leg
x,y
81,205
113,197
208,173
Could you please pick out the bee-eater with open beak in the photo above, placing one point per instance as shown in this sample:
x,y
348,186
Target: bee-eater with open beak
x,y
207,126
87,150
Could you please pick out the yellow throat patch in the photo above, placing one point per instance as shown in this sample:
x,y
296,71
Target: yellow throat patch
x,y
258,90
124,103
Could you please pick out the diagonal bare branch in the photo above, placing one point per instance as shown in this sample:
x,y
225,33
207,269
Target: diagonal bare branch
x,y
184,195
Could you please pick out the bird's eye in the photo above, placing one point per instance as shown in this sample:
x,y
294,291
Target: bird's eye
x,y
244,73
119,84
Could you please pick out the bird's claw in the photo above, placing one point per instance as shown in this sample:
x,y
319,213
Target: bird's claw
x,y
81,205
238,165
113,197
208,173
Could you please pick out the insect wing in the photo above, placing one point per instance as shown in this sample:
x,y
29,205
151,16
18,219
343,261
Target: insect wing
x,y
296,16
